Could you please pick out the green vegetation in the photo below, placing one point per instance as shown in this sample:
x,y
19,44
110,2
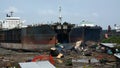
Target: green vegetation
x,y
113,39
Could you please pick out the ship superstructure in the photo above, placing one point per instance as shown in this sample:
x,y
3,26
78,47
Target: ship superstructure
x,y
117,28
11,22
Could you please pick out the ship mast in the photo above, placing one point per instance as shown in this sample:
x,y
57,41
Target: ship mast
x,y
11,13
60,16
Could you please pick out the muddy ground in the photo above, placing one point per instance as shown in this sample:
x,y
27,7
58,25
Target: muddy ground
x,y
10,58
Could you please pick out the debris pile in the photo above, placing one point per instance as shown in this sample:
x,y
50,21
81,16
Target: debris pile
x,y
63,56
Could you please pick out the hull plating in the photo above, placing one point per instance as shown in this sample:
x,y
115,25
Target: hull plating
x,y
31,47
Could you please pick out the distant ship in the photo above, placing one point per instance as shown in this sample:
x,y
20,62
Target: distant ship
x,y
111,31
13,35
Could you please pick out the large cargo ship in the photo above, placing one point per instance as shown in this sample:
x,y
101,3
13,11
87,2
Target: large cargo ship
x,y
13,35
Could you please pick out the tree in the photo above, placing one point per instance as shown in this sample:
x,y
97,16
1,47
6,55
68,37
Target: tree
x,y
113,39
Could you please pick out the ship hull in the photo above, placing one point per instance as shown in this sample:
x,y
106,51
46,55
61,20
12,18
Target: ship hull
x,y
43,37
26,47
35,38
85,33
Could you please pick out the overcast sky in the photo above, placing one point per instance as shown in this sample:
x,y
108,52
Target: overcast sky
x,y
100,12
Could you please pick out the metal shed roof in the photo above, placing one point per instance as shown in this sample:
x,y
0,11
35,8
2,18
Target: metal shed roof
x,y
117,55
40,64
111,45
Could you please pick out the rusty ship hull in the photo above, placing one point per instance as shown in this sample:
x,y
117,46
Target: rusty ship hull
x,y
43,37
29,38
85,33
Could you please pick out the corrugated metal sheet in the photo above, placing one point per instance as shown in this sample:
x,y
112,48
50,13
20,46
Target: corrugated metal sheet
x,y
111,45
117,55
40,64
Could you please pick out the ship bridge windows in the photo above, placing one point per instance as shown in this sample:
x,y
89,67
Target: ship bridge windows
x,y
65,27
59,27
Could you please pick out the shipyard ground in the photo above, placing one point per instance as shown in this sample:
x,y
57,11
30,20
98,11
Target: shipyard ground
x,y
10,58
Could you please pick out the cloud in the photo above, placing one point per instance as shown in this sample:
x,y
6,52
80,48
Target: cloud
x,y
11,8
